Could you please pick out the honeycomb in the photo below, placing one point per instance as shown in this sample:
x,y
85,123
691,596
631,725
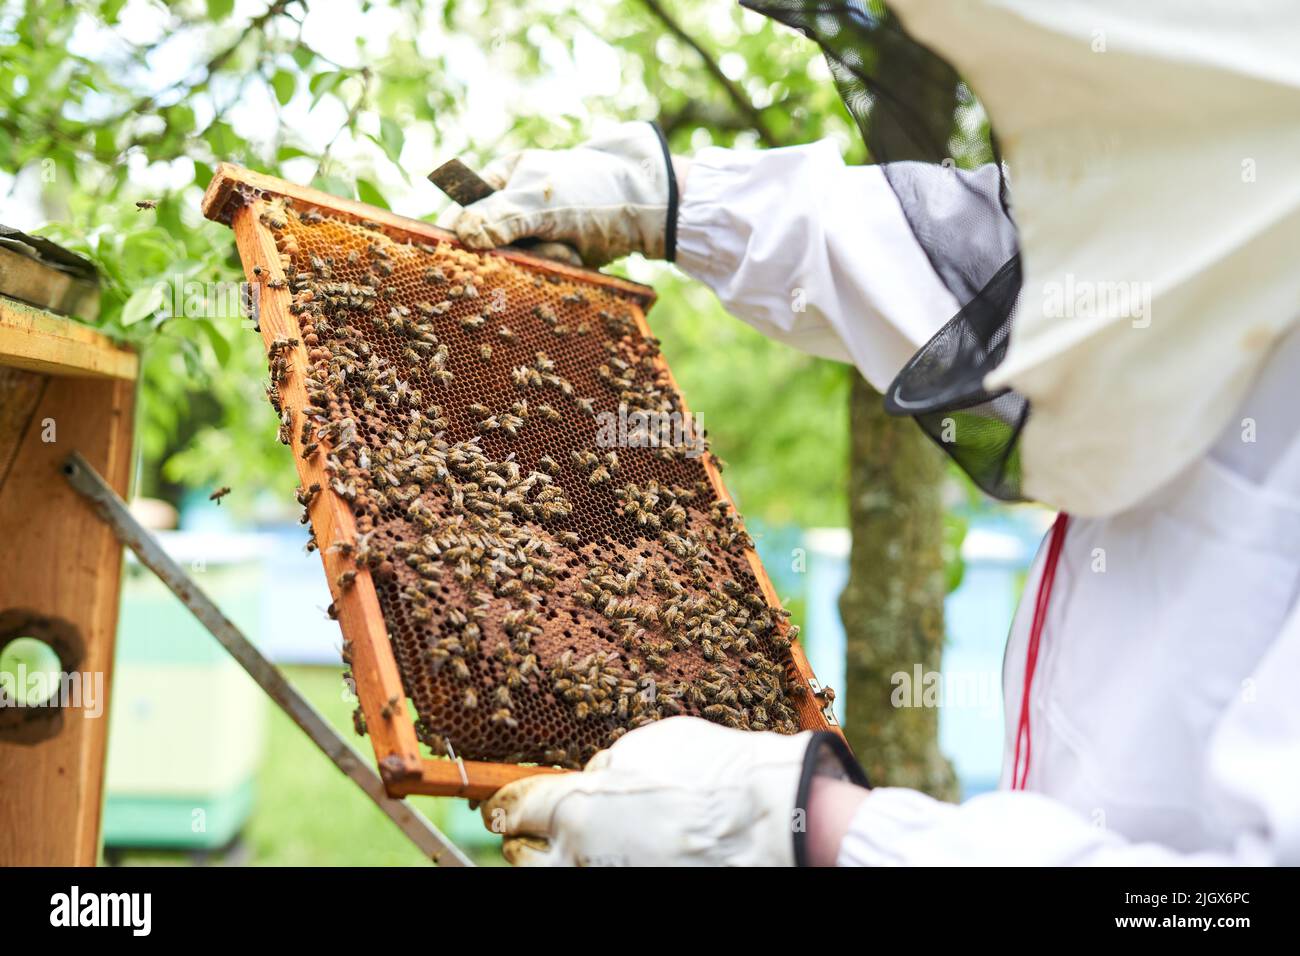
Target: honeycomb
x,y
552,562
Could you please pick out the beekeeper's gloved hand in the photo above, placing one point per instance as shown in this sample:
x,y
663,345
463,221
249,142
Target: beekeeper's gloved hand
x,y
682,791
607,197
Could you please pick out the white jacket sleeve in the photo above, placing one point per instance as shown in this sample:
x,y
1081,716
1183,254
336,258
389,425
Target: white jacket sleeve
x,y
813,253
1251,779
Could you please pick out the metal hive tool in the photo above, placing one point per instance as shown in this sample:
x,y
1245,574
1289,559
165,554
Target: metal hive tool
x,y
536,586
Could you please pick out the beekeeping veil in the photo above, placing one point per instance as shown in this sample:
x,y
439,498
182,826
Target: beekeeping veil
x,y
1151,152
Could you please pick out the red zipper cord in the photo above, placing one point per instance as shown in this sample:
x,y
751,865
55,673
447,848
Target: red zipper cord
x,y
1018,774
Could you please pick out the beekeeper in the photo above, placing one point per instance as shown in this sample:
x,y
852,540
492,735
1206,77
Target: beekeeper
x,y
1146,277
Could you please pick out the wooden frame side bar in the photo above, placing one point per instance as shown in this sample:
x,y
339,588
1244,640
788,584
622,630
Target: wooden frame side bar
x,y
812,712
374,668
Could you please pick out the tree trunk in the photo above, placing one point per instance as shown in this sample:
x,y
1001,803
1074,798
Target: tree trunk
x,y
892,605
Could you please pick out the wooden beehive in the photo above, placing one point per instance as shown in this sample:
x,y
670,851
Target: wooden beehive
x,y
313,260
63,388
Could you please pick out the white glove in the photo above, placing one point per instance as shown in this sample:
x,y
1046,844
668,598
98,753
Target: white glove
x,y
610,196
679,792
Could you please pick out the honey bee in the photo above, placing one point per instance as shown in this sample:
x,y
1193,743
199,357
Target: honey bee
x,y
524,376
346,579
219,494
143,204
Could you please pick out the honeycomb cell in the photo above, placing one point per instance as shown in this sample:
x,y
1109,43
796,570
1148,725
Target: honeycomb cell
x,y
552,562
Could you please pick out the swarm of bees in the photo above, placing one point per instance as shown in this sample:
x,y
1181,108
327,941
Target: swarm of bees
x,y
545,589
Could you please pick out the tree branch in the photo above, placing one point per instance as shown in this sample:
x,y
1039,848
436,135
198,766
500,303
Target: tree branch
x,y
739,100
349,122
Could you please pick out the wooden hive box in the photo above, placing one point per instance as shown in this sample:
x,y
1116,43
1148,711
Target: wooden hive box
x,y
63,388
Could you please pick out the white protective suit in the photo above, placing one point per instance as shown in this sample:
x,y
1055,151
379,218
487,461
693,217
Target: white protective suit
x,y
1165,725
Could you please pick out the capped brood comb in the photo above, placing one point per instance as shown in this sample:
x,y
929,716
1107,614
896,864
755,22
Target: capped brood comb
x,y
521,531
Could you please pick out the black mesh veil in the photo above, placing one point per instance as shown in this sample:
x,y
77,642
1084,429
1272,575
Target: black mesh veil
x,y
924,127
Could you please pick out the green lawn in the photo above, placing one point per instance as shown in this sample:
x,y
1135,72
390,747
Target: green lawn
x,y
308,814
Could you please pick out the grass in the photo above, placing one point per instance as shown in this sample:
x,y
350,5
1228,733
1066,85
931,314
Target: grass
x,y
308,814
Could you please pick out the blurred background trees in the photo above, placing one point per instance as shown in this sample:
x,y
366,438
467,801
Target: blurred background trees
x,y
106,102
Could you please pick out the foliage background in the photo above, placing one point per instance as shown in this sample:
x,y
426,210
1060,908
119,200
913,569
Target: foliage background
x,y
106,103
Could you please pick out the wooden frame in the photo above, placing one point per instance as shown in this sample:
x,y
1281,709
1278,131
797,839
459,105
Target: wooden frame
x,y
237,197
63,387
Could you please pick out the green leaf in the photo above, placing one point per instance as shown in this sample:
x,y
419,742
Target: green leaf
x,y
223,139
109,10
105,143
192,356
391,138
334,185
202,174
148,251
284,83
220,9
322,83
142,304
368,192
180,119
220,346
